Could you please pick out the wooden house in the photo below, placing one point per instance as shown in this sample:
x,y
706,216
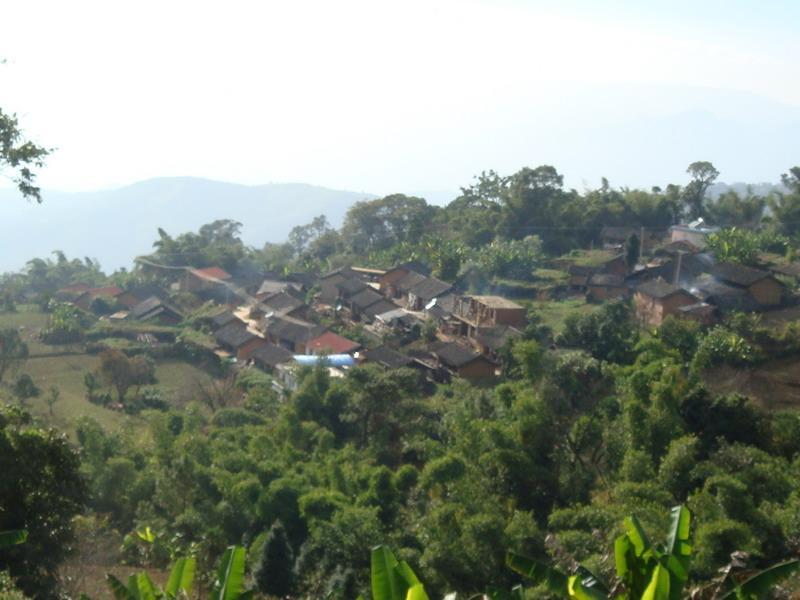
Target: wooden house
x,y
655,300
240,341
765,288
606,286
463,361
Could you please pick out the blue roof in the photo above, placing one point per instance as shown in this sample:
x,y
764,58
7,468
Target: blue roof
x,y
333,360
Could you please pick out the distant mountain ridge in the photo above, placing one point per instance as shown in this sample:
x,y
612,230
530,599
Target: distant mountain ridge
x,y
116,225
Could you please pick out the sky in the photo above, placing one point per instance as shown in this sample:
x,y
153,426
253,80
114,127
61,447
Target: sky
x,y
408,96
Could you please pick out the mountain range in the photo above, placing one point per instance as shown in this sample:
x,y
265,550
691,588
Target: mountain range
x,y
116,225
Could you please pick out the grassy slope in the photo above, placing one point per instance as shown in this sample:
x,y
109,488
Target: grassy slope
x,y
176,380
555,312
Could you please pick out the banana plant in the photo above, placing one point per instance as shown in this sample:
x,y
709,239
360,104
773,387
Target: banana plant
x,y
228,585
141,587
757,585
13,537
392,579
645,571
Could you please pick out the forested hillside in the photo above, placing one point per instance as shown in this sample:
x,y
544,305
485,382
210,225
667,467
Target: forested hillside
x,y
509,373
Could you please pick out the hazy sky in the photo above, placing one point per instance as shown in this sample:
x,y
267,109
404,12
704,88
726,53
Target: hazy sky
x,y
403,96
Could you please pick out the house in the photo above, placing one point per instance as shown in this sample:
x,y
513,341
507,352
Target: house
x,y
156,310
579,276
359,303
332,343
792,270
726,298
397,320
463,361
676,247
441,311
398,290
490,340
367,274
203,279
240,341
224,318
329,292
385,356
617,237
280,304
109,294
762,285
655,300
421,293
606,286
380,307
387,282
702,312
293,334
70,292
269,287
615,265
695,233
487,311
268,356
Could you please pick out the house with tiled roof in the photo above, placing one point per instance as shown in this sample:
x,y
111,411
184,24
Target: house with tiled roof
x,y
239,341
606,286
331,343
268,356
656,299
155,310
460,360
420,294
763,286
293,334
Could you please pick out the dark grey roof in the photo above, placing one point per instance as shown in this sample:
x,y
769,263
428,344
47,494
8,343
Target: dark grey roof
x,y
365,298
658,288
147,309
380,307
281,302
408,281
738,274
790,270
415,265
350,287
678,247
293,330
388,357
496,337
234,335
342,272
619,233
453,354
581,270
270,355
272,286
707,286
430,288
607,279
225,318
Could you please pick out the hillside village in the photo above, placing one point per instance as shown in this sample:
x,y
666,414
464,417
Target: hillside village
x,y
280,323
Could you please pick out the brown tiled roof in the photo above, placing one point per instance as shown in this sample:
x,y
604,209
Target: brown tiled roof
x,y
333,343
212,273
738,274
660,289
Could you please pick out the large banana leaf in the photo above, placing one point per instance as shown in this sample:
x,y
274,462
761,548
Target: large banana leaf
x,y
658,588
181,577
13,537
576,590
139,587
679,550
416,592
230,576
538,573
388,581
759,584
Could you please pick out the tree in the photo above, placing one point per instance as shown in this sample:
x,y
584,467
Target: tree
x,y
121,372
20,156
24,388
694,194
42,489
13,351
273,573
53,396
632,247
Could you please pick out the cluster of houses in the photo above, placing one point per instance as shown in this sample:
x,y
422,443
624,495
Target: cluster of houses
x,y
276,328
683,279
275,322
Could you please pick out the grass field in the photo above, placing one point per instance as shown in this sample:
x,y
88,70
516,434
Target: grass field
x,y
55,366
555,312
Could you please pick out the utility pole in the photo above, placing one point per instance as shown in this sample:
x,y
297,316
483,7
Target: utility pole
x,y
641,244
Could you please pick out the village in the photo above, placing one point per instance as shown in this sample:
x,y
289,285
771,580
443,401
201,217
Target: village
x,y
405,317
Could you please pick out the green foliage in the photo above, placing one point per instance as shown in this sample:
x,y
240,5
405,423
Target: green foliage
x,y
13,351
66,324
722,346
273,575
609,334
20,155
41,490
25,388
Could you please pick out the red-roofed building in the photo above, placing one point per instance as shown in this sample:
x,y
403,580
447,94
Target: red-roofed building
x,y
203,279
85,300
331,343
